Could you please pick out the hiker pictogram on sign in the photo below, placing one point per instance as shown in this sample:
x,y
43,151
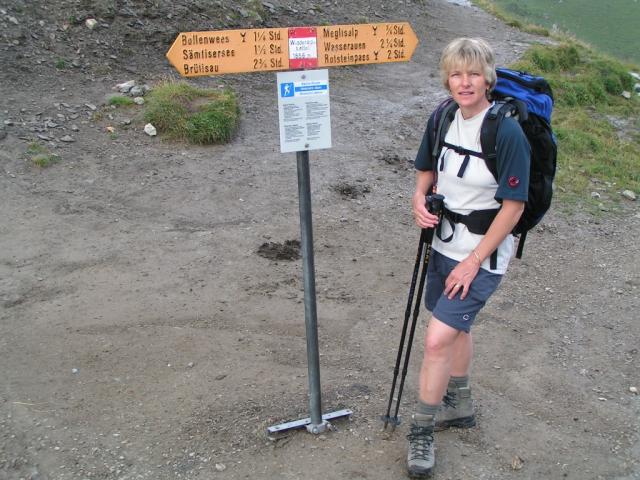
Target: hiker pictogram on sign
x,y
286,90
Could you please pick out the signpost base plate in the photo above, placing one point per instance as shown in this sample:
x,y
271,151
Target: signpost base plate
x,y
306,422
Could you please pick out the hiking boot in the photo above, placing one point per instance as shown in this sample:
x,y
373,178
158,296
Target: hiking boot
x,y
456,409
420,458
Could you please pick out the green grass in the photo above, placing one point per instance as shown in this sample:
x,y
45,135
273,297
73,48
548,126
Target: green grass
x,y
61,64
611,27
181,111
579,76
596,127
121,101
594,151
41,156
255,9
493,9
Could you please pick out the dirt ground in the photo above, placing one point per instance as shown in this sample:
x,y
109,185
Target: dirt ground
x,y
151,315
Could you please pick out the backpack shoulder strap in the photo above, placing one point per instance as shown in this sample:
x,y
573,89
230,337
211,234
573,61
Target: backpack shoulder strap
x,y
489,129
442,118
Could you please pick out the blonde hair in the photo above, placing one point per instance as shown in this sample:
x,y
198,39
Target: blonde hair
x,y
468,53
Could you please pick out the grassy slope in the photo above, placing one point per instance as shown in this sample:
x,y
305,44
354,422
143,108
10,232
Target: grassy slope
x,y
612,27
598,129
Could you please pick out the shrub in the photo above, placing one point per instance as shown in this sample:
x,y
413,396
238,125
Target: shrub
x,y
121,101
184,112
41,156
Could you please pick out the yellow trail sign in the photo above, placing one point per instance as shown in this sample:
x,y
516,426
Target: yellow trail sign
x,y
266,49
367,43
229,51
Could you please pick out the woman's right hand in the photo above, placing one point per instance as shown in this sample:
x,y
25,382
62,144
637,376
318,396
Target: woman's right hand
x,y
421,215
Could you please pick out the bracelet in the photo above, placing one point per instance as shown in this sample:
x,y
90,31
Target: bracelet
x,y
475,254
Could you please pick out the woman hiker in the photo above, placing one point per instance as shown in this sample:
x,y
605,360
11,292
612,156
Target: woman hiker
x,y
465,268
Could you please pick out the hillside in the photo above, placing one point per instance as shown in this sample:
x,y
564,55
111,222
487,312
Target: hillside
x,y
614,31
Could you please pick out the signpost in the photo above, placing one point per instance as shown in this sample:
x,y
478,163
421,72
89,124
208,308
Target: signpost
x,y
303,106
220,52
303,109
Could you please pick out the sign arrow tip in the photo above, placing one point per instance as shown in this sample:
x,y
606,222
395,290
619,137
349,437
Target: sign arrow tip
x,y
412,40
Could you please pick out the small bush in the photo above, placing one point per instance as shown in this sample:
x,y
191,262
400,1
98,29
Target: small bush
x,y
41,156
597,90
612,84
568,56
544,60
184,112
552,59
121,101
35,148
44,160
614,75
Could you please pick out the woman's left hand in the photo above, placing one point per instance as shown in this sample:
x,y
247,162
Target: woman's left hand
x,y
460,278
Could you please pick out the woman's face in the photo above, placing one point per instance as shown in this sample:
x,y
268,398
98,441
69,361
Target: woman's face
x,y
468,86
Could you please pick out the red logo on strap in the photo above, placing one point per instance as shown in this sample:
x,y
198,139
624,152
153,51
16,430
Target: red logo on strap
x,y
514,181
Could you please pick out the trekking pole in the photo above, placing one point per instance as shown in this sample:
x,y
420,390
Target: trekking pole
x,y
435,204
407,315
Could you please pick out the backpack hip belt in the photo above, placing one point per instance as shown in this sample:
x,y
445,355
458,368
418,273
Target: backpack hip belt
x,y
477,222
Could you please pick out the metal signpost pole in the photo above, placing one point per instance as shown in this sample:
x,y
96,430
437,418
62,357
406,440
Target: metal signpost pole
x,y
317,425
317,422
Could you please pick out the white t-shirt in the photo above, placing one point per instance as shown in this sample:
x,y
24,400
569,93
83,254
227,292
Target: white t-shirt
x,y
476,190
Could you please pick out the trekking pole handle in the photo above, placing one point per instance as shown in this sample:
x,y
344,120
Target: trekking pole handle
x,y
435,203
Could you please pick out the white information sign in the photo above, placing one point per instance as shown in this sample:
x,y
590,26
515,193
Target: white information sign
x,y
303,108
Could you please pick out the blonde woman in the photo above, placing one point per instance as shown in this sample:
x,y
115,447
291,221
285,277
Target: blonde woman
x,y
466,265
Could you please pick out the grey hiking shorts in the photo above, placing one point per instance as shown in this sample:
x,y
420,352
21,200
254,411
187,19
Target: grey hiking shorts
x,y
459,314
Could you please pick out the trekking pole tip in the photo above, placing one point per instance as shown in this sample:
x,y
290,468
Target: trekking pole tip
x,y
390,420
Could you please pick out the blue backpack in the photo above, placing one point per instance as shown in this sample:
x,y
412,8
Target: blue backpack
x,y
529,99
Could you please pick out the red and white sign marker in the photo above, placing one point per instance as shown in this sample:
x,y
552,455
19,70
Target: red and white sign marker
x,y
303,48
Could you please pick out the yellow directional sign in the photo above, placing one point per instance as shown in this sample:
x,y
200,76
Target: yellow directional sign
x,y
229,51
266,49
366,43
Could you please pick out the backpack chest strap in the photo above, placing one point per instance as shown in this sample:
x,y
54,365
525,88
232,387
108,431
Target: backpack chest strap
x,y
460,151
